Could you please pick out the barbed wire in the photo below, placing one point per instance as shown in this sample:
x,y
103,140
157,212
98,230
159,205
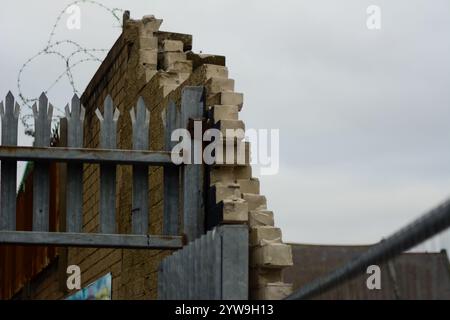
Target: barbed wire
x,y
53,48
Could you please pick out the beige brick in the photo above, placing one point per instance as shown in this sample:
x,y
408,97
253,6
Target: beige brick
x,y
255,201
224,112
236,128
149,25
225,190
148,56
185,38
261,235
203,59
272,291
226,98
148,43
183,76
234,210
229,173
147,75
131,30
215,85
242,172
172,46
230,152
184,66
259,277
249,185
168,79
169,58
274,255
221,174
169,88
260,218
214,71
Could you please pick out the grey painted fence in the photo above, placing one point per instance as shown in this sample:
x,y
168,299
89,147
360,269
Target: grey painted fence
x,y
212,267
188,179
183,184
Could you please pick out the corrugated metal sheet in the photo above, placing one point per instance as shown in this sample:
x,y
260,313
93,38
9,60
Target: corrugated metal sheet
x,y
19,264
409,276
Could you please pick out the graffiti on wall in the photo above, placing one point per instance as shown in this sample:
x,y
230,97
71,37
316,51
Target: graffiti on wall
x,y
97,290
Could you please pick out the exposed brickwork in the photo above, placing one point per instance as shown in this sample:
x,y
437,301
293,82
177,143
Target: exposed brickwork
x,y
156,65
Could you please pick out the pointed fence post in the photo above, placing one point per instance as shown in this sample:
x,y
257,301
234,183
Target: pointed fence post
x,y
192,111
171,121
10,116
41,175
140,121
108,134
74,195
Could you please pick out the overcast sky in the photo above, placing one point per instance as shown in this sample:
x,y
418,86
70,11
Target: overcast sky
x,y
363,114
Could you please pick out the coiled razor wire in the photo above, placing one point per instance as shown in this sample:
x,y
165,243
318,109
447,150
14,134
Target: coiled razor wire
x,y
51,48
426,226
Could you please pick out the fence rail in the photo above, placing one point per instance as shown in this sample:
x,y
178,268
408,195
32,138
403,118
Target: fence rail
x,y
86,155
100,240
180,200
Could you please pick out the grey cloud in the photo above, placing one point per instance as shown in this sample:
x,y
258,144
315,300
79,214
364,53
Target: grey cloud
x,y
363,115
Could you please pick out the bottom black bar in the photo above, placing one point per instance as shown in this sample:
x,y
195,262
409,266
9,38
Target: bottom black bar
x,y
231,309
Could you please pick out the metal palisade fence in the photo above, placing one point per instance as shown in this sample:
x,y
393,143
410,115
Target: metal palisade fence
x,y
217,262
213,267
181,199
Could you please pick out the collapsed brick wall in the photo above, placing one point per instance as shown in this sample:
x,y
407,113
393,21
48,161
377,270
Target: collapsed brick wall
x,y
233,187
157,65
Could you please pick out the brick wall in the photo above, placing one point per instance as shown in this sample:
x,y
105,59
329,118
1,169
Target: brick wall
x,y
157,65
